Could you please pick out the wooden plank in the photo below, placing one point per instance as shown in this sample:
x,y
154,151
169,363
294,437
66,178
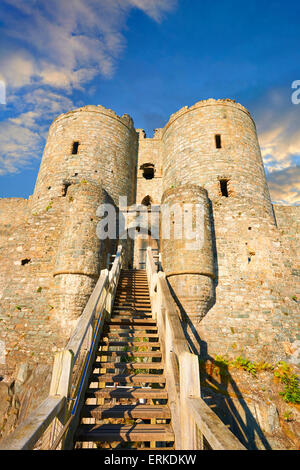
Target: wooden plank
x,y
130,365
216,433
132,321
142,344
132,378
134,392
130,353
126,411
131,328
130,335
29,432
127,433
189,387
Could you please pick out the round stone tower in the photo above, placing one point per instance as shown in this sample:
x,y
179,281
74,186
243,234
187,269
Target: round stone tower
x,y
186,249
81,253
214,144
89,159
91,143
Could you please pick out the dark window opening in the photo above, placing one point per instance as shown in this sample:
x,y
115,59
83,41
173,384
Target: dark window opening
x,y
147,201
65,189
75,148
218,141
224,188
25,261
148,171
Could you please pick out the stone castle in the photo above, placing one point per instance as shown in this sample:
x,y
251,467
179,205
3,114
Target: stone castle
x,y
237,295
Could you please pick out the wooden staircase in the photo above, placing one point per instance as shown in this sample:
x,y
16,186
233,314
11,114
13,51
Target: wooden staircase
x,y
126,403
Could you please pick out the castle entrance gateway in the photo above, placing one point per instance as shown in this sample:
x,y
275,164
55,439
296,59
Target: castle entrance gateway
x,y
143,241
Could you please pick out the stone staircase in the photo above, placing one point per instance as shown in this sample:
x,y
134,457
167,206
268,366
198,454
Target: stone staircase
x,y
126,403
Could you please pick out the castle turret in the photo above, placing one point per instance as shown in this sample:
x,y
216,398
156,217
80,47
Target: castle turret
x,y
214,144
91,143
80,254
187,250
89,159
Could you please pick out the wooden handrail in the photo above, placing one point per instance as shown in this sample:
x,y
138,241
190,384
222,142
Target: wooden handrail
x,y
55,417
192,419
29,432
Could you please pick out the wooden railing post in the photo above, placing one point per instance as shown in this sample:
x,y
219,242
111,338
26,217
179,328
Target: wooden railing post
x,y
60,386
189,388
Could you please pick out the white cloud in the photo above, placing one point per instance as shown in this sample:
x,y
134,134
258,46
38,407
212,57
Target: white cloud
x,y
59,45
69,45
18,146
285,185
22,138
278,124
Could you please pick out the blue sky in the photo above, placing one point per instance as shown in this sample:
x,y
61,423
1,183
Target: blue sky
x,y
148,58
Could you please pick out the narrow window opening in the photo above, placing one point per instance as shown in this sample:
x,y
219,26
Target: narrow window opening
x,y
147,201
148,171
224,188
65,189
75,148
218,141
25,261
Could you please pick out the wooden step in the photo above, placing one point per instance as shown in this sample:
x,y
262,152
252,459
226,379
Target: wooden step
x,y
133,275
126,411
129,315
125,328
142,344
130,306
132,303
132,310
129,365
128,379
132,287
124,433
132,292
130,353
131,321
133,299
127,337
125,392
129,333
